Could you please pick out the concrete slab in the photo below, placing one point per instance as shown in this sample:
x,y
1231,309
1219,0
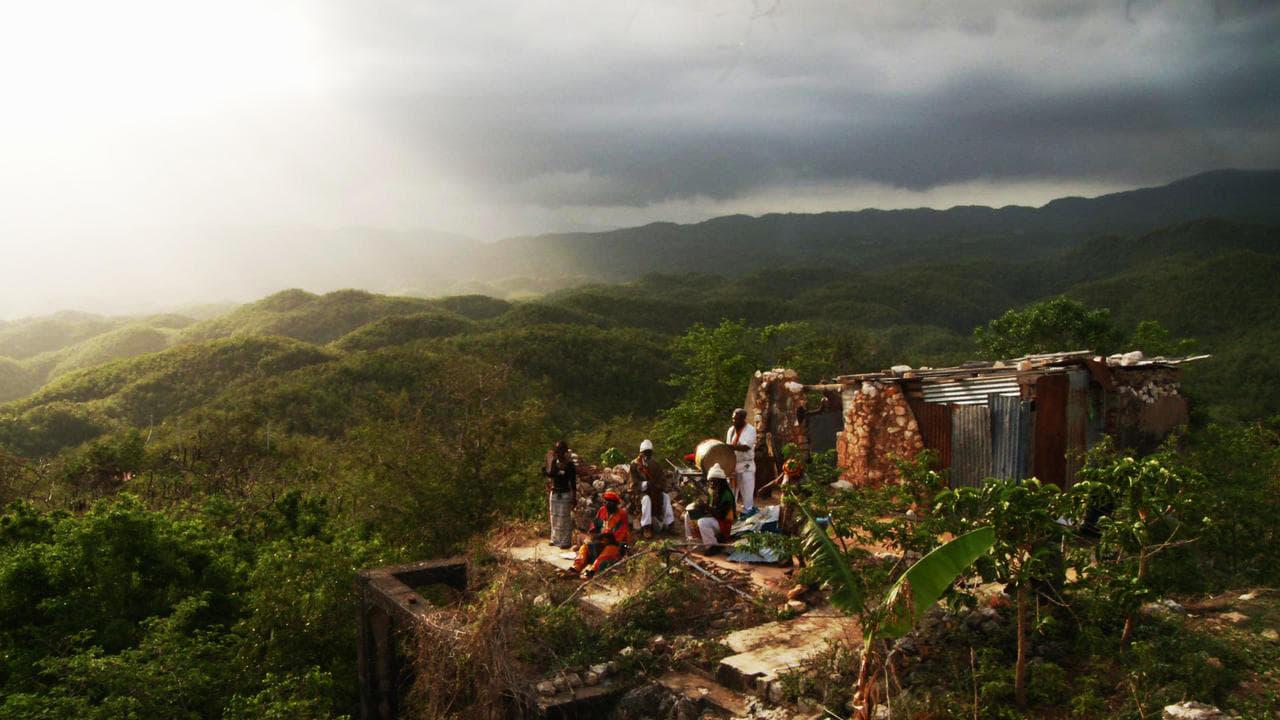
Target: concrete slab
x,y
599,599
764,651
542,552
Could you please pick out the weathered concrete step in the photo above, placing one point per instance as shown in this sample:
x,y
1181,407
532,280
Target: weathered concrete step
x,y
584,702
702,690
599,599
761,653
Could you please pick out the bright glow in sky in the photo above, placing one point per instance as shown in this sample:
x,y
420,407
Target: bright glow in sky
x,y
134,133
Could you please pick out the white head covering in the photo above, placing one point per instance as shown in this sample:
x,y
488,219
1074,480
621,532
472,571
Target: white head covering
x,y
716,472
646,445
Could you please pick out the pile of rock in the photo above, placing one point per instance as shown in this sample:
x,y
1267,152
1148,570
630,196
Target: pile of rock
x,y
569,680
593,482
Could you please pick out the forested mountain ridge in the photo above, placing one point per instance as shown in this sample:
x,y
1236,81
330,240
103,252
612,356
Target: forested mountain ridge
x,y
870,239
604,350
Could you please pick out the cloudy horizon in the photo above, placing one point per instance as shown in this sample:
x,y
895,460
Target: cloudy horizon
x,y
495,119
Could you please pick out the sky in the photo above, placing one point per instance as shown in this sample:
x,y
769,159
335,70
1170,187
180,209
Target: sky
x,y
133,133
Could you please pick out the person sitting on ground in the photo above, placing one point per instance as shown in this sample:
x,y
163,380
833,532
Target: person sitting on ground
x,y
648,480
607,540
714,519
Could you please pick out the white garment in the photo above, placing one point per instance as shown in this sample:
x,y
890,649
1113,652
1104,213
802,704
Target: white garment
x,y
646,511
746,491
707,528
746,437
746,468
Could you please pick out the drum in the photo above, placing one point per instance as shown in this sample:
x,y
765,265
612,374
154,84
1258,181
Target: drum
x,y
712,452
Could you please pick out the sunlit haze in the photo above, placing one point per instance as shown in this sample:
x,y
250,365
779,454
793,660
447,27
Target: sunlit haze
x,y
156,153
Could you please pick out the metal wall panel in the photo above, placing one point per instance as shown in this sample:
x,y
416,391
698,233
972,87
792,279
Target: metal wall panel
x,y
1050,434
969,392
935,430
970,445
1010,436
1077,424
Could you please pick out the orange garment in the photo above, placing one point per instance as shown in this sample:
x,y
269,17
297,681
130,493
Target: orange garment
x,y
618,525
598,555
612,532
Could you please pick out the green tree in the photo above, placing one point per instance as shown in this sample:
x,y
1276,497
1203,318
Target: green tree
x,y
1053,325
1154,340
1150,508
718,362
1024,517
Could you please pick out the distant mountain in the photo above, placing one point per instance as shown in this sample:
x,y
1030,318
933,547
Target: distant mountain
x,y
872,239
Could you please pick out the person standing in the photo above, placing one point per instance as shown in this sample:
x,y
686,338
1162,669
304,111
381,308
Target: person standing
x,y
562,489
650,482
742,438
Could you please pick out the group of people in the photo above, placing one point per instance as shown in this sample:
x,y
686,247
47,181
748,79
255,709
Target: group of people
x,y
609,535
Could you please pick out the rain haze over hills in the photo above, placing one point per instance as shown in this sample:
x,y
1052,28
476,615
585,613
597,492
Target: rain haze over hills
x,y
159,154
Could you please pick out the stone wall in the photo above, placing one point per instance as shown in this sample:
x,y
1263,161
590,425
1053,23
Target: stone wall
x,y
1143,406
773,398
878,426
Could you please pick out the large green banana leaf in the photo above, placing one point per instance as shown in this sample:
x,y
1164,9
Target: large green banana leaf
x,y
925,581
831,565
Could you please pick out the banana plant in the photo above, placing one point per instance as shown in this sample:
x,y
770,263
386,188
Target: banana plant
x,y
893,616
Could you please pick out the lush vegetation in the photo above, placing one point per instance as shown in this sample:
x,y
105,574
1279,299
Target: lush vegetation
x,y
188,499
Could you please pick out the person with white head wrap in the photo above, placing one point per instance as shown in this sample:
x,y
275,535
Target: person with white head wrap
x,y
650,482
710,522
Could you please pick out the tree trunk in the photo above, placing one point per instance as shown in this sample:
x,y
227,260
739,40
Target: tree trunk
x,y
867,690
1020,669
1127,634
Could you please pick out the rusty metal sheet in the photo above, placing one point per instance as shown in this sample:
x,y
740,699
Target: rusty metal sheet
x,y
935,430
1050,434
1077,424
970,445
1010,436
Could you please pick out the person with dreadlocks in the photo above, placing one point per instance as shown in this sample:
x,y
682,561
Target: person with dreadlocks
x,y
650,483
712,520
607,540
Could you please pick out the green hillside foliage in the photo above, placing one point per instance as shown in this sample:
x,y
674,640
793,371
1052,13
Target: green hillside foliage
x,y
195,496
16,379
402,329
144,390
22,339
591,373
301,315
127,342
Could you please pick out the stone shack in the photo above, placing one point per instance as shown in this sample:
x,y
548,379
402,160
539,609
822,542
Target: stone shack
x,y
1034,416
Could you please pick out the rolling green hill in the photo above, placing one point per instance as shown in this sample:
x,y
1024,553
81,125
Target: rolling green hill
x,y
604,351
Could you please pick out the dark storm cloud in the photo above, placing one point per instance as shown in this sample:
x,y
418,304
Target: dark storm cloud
x,y
631,104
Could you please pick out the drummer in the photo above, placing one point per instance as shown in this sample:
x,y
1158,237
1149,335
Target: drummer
x,y
742,438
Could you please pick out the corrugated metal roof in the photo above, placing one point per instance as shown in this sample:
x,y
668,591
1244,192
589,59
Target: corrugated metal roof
x,y
1030,363
969,392
1010,436
970,445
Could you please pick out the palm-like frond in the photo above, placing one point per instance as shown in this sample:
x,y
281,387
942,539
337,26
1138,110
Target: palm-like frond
x,y
925,581
831,565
